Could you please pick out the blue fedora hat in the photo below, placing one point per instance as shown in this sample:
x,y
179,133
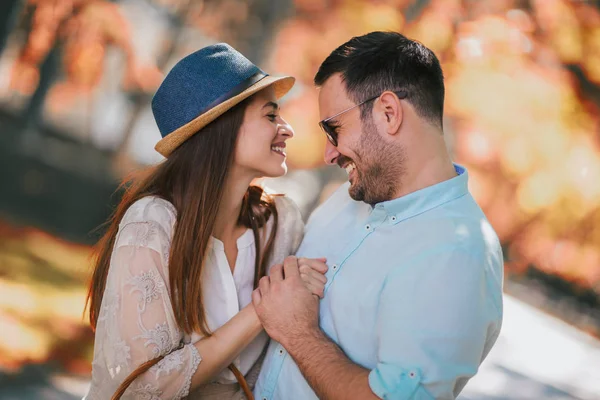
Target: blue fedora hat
x,y
201,87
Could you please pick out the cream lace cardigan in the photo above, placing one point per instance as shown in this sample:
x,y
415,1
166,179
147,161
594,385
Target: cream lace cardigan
x,y
136,321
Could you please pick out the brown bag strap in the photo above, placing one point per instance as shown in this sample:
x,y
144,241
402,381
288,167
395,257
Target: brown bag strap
x,y
149,364
131,377
242,381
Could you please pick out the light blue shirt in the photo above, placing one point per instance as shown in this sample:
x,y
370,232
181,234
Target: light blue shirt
x,y
413,293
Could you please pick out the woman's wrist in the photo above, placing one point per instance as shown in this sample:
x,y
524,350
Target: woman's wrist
x,y
253,317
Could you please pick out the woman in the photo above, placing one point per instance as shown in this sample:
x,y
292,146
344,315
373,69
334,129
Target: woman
x,y
170,297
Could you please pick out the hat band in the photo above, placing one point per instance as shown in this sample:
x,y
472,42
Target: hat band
x,y
236,90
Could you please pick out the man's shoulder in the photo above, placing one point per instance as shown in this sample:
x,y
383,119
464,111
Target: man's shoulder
x,y
460,223
456,230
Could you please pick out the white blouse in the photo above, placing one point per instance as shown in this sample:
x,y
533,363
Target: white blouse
x,y
136,321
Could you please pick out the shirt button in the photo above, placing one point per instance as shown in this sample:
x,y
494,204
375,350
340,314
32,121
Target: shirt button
x,y
393,218
412,374
280,352
334,266
368,227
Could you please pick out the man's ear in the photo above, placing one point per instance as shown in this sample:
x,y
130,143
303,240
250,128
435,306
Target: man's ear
x,y
391,112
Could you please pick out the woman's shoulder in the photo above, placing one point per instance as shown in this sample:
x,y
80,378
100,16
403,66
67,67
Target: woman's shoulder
x,y
290,228
287,209
290,222
151,209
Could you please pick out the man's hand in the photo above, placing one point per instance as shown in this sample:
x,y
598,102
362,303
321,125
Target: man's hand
x,y
286,308
289,313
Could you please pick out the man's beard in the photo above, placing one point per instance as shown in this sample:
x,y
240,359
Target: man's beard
x,y
379,168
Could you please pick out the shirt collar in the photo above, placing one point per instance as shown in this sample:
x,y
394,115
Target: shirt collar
x,y
427,198
246,240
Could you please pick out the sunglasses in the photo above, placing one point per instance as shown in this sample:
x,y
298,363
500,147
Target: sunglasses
x,y
330,131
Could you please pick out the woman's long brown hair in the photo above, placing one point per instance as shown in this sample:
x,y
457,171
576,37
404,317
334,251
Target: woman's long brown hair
x,y
192,178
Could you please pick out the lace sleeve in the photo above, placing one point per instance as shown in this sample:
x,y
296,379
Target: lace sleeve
x,y
136,322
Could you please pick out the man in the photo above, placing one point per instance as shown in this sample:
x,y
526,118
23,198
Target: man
x,y
413,301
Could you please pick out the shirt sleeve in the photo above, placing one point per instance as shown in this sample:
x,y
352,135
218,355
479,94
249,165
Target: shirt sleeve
x,y
432,326
136,322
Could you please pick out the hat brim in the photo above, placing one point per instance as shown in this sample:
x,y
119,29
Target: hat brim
x,y
169,143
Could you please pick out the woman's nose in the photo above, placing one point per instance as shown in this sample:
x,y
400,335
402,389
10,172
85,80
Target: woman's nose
x,y
285,129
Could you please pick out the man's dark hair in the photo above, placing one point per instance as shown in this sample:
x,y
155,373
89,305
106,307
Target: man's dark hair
x,y
380,61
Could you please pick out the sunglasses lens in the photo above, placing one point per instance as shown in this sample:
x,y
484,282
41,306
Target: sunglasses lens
x,y
329,132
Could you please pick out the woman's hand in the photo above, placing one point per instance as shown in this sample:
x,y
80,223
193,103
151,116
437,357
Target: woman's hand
x,y
312,272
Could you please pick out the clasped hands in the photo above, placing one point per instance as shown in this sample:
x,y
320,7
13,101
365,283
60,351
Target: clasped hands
x,y
287,300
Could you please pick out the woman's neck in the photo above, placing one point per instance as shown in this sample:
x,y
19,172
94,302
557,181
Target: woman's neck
x,y
231,204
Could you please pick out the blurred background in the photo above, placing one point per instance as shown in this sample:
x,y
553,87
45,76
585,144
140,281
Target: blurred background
x,y
523,95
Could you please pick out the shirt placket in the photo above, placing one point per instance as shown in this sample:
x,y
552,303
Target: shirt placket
x,y
232,306
363,230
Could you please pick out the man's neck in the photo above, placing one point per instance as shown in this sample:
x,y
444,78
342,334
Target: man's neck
x,y
425,168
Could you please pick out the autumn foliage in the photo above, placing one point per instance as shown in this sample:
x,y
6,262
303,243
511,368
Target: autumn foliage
x,y
518,114
523,95
85,28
